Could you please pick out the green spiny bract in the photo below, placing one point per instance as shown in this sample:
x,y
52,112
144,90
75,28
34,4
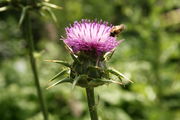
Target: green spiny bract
x,y
87,71
90,69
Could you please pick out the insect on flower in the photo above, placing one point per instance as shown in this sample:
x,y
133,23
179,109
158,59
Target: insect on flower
x,y
116,30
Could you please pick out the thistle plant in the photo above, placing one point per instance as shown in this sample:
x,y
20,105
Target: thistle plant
x,y
90,44
26,7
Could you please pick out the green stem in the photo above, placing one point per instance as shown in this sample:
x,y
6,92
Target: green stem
x,y
91,103
28,36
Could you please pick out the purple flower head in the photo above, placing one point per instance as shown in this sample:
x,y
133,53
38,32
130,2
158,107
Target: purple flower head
x,y
90,36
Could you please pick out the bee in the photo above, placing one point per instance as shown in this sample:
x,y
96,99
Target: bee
x,y
116,30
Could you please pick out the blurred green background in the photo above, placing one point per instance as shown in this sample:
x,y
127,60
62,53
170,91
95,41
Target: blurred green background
x,y
150,56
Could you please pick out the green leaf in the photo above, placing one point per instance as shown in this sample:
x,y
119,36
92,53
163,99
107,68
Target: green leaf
x,y
42,13
68,48
76,80
95,67
112,81
118,74
59,82
59,74
75,58
59,62
107,81
51,5
4,8
51,13
23,14
108,55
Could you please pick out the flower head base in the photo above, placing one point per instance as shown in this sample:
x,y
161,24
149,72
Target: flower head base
x,y
91,37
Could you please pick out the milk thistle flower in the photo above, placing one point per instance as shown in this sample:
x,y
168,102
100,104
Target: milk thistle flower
x,y
90,37
91,44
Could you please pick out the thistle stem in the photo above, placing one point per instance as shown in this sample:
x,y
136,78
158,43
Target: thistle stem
x,y
91,103
28,36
